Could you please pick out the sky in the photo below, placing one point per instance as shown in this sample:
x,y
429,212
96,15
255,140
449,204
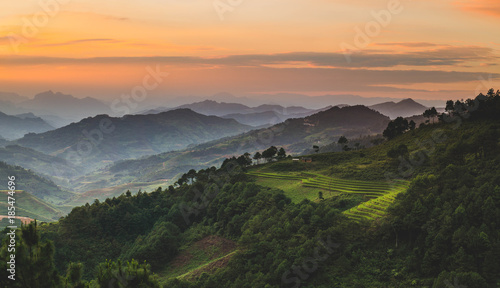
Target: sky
x,y
439,49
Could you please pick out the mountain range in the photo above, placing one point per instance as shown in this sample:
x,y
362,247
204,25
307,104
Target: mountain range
x,y
98,141
296,135
13,127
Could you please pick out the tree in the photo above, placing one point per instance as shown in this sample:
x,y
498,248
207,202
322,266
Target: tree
x,y
412,125
320,195
257,157
396,128
281,153
115,275
316,148
449,106
343,140
191,175
269,153
34,262
74,276
431,113
244,160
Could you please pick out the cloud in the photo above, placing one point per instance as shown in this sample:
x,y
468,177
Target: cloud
x,y
443,56
79,41
485,7
4,40
408,44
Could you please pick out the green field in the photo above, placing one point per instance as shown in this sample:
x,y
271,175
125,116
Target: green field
x,y
306,185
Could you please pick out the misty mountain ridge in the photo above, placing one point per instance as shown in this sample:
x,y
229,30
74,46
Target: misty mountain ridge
x,y
65,105
296,135
272,117
211,107
404,108
12,127
100,140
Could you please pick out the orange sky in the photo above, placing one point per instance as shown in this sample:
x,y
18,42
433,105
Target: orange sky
x,y
426,49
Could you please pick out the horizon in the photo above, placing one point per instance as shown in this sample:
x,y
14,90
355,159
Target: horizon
x,y
389,49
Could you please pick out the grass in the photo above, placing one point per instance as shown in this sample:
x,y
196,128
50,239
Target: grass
x,y
305,185
294,189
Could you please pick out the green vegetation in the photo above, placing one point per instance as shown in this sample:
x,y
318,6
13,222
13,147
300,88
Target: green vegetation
x,y
381,194
426,218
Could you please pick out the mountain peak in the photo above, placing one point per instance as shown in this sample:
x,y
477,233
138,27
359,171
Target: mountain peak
x,y
51,95
408,100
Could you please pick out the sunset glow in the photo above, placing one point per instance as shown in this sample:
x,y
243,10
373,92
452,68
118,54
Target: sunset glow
x,y
423,49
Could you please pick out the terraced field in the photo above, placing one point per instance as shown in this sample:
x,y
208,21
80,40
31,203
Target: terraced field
x,y
380,194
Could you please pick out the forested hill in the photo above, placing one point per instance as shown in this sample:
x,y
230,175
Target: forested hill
x,y
427,203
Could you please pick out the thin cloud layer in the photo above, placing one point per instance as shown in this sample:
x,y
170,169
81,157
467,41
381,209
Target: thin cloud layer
x,y
446,56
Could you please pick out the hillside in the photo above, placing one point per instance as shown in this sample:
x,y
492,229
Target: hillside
x,y
403,108
273,232
12,127
34,184
297,135
30,206
97,141
42,164
418,210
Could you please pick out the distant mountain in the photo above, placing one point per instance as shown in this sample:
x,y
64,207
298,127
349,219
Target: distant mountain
x,y
12,127
403,108
310,102
27,115
296,135
207,107
12,97
262,115
258,119
56,121
272,116
34,184
65,106
97,141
